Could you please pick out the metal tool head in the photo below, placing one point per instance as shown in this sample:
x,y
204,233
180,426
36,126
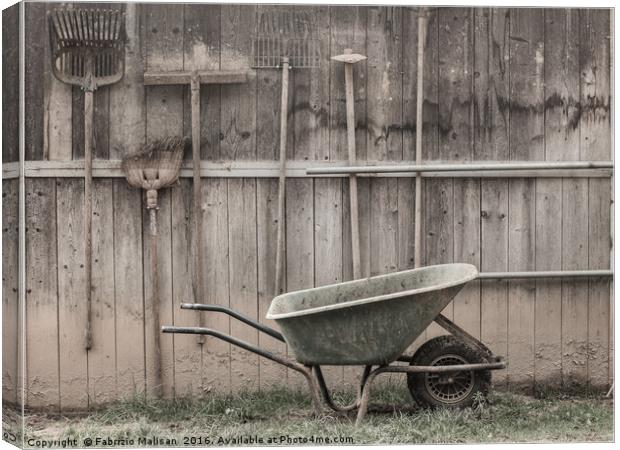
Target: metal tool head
x,y
286,33
349,58
87,46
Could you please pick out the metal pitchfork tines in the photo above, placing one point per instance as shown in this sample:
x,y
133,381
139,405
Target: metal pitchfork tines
x,y
87,46
285,38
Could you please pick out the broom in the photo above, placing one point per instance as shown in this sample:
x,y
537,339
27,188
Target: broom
x,y
155,167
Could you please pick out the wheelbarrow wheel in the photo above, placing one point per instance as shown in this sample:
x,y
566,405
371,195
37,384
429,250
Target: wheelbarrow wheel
x,y
449,389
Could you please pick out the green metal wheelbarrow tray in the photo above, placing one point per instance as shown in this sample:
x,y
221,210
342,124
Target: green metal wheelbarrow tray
x,y
371,322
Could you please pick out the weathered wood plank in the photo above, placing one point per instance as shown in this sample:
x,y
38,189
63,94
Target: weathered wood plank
x,y
36,65
57,114
129,296
243,279
491,83
156,78
311,93
548,317
187,351
216,366
494,257
127,98
11,339
164,117
467,250
561,143
328,247
600,369
238,111
201,42
10,84
102,355
526,141
574,293
383,139
42,358
299,254
72,318
271,374
595,133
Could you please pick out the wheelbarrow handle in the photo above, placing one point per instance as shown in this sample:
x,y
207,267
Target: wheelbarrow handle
x,y
245,319
238,342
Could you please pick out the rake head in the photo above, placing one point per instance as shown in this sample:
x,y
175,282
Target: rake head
x,y
87,46
156,166
289,33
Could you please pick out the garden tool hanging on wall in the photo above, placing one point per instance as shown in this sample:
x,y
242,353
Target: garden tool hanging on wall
x,y
285,39
155,167
87,50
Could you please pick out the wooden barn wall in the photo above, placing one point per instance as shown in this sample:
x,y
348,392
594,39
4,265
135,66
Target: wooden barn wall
x,y
499,84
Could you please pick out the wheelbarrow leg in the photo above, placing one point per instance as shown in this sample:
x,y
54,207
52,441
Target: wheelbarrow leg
x,y
365,388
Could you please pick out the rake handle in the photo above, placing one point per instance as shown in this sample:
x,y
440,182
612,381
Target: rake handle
x,y
155,294
282,176
89,112
199,294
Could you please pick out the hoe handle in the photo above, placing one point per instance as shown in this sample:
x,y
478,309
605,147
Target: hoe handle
x,y
89,112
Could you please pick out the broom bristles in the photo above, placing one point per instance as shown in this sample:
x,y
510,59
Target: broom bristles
x,y
157,165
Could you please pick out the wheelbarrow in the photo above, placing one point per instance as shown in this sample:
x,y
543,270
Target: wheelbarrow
x,y
371,322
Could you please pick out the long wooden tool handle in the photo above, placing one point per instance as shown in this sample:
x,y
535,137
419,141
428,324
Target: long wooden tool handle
x,y
422,23
155,298
199,294
355,233
282,178
89,112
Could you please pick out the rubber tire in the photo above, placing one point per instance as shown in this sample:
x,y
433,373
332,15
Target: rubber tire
x,y
434,348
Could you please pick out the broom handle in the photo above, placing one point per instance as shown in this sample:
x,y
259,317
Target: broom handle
x,y
89,112
155,298
282,177
199,296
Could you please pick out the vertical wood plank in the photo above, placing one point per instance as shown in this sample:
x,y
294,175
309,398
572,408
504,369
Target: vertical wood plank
x,y
299,254
164,117
526,133
202,51
71,309
243,278
10,84
594,36
310,90
127,98
561,142
216,365
456,142
383,137
36,65
548,310
128,290
491,140
187,351
574,292
271,374
494,258
11,339
102,356
267,139
42,359
57,115
238,113
127,135
327,246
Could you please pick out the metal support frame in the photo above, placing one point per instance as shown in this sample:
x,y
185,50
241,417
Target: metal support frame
x,y
314,375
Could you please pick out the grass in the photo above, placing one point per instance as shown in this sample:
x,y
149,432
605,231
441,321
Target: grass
x,y
229,419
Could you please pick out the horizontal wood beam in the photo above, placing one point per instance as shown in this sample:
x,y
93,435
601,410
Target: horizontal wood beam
x,y
185,77
270,169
